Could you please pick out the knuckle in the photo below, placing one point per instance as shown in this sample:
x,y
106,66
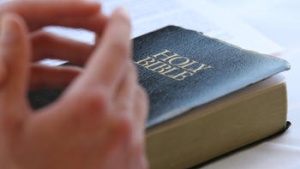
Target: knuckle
x,y
95,102
125,126
120,49
90,109
41,37
12,123
123,106
138,148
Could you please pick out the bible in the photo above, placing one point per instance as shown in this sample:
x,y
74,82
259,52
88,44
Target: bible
x,y
207,97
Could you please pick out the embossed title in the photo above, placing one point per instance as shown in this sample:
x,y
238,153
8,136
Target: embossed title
x,y
172,65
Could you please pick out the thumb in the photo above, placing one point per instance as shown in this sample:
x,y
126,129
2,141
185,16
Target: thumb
x,y
14,61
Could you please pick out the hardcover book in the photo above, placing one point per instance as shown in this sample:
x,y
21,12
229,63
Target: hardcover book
x,y
207,97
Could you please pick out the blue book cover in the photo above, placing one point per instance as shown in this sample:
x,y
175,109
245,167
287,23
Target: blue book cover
x,y
182,69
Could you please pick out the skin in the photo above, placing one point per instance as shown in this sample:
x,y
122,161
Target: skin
x,y
99,120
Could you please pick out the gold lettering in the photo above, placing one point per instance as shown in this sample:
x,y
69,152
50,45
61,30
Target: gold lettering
x,y
183,60
169,71
164,56
189,64
182,75
162,68
148,62
172,65
201,67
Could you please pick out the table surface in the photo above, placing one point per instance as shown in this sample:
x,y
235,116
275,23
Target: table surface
x,y
279,21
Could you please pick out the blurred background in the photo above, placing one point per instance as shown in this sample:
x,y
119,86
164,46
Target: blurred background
x,y
279,20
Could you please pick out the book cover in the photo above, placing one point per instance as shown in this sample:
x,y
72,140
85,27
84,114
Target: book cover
x,y
182,69
192,81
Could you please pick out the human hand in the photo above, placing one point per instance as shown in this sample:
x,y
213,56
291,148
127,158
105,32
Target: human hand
x,y
99,120
75,14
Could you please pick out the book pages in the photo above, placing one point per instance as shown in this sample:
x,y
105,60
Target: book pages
x,y
200,15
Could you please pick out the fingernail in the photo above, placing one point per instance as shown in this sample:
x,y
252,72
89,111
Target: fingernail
x,y
8,29
123,11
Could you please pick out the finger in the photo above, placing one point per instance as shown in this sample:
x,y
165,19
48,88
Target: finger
x,y
141,106
140,115
90,94
15,56
37,14
116,145
112,54
125,93
123,109
3,71
48,45
52,77
128,96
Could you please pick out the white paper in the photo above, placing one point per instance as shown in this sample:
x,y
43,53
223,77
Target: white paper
x,y
199,15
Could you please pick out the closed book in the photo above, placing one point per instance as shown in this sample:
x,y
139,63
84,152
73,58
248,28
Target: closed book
x,y
207,97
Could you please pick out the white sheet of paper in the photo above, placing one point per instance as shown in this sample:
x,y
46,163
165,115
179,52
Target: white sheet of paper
x,y
199,15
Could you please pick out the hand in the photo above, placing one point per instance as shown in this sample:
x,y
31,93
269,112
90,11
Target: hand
x,y
99,120
37,14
